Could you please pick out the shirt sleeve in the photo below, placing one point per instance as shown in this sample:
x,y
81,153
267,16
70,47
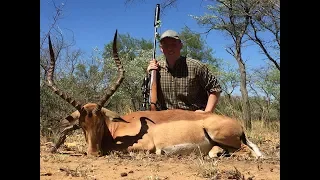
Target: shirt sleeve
x,y
208,80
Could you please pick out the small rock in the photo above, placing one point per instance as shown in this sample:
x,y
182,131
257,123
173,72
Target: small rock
x,y
123,174
46,174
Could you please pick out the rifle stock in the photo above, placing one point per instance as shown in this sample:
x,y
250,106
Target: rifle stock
x,y
153,91
153,78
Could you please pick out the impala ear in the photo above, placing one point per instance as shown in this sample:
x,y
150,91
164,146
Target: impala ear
x,y
113,116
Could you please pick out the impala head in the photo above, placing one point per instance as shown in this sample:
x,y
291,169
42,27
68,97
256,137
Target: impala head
x,y
93,120
92,116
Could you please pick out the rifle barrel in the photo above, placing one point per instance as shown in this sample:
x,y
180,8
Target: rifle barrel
x,y
155,24
153,81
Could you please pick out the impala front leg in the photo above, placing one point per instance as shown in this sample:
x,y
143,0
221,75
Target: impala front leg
x,y
145,144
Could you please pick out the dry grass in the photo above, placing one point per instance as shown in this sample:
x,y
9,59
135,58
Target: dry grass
x,y
267,138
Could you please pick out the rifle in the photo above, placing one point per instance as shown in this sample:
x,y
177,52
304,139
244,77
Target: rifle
x,y
152,96
145,92
153,78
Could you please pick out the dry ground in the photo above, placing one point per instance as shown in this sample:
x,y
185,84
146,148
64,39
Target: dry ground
x,y
71,163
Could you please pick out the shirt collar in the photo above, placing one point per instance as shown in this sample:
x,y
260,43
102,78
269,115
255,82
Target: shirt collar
x,y
177,64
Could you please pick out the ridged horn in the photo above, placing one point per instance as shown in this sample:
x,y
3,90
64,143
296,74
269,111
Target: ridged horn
x,y
109,91
51,83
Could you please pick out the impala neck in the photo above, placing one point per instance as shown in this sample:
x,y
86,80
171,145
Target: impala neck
x,y
112,127
108,142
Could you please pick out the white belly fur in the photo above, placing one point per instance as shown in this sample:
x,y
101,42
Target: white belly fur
x,y
180,137
187,148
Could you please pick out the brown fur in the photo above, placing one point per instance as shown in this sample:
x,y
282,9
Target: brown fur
x,y
155,131
138,124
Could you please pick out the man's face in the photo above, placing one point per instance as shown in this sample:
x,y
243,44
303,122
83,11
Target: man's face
x,y
171,47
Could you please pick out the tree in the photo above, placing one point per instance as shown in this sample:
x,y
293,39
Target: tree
x,y
51,106
232,17
266,18
229,80
195,47
265,85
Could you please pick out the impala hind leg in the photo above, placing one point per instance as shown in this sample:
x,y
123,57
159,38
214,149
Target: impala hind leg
x,y
244,151
159,152
215,150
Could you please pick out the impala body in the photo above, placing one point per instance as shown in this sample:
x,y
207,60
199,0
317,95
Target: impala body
x,y
109,131
168,131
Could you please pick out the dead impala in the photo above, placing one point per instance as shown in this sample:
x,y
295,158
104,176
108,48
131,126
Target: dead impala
x,y
167,131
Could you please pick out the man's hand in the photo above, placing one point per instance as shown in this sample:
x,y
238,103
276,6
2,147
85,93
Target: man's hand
x,y
152,65
200,111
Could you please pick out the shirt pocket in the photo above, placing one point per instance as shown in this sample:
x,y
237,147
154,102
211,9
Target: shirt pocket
x,y
188,86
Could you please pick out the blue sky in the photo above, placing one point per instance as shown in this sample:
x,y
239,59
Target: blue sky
x,y
93,23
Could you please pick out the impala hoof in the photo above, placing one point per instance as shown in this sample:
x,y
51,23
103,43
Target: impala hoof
x,y
53,149
95,154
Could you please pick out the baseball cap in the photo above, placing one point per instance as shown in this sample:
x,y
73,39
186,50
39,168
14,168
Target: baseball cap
x,y
169,33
